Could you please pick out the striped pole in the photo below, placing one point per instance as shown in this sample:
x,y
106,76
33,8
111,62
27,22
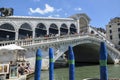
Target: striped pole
x,y
51,64
71,64
103,62
38,64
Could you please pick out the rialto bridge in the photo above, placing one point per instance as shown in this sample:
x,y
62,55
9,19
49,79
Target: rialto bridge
x,y
32,33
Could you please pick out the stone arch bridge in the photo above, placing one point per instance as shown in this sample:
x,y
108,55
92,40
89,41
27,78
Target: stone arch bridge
x,y
35,32
86,48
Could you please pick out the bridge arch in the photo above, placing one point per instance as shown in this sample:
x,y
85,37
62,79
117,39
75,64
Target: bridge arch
x,y
87,50
63,29
8,30
53,29
25,31
87,53
40,30
73,29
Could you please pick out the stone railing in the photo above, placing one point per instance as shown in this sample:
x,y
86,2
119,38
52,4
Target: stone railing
x,y
28,42
103,37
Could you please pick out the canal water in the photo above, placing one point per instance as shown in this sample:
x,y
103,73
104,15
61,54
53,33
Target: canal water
x,y
82,72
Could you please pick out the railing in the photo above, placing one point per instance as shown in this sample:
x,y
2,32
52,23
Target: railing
x,y
28,42
103,38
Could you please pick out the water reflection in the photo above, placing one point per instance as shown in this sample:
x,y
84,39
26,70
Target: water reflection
x,y
82,72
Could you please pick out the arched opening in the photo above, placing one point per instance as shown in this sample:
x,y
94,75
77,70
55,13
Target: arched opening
x,y
92,32
63,29
87,53
73,29
53,29
83,25
25,31
7,32
40,30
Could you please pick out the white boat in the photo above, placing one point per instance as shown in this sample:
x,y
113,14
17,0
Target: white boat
x,y
91,79
11,73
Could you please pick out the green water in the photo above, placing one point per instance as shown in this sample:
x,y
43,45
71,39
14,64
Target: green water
x,y
82,72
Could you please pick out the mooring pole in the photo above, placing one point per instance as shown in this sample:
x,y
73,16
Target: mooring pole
x,y
51,64
38,65
103,62
71,64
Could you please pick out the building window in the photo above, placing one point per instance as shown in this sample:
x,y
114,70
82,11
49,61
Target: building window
x,y
109,25
119,36
110,37
119,43
110,31
118,24
118,29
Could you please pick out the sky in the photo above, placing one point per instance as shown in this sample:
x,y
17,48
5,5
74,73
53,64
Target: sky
x,y
99,11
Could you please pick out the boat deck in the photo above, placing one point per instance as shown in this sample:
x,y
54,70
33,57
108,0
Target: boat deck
x,y
23,77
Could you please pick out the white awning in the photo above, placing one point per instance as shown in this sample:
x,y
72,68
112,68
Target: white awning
x,y
11,47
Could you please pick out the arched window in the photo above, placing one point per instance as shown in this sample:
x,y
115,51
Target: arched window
x,y
63,29
7,32
92,32
73,29
25,31
53,29
7,26
41,26
26,26
40,30
54,26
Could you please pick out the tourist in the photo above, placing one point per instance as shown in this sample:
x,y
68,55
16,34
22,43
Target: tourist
x,y
11,63
21,69
28,68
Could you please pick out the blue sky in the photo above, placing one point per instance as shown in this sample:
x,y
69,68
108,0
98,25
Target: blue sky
x,y
100,11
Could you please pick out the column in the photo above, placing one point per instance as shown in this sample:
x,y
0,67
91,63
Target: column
x,y
16,34
48,31
33,34
78,24
59,31
69,29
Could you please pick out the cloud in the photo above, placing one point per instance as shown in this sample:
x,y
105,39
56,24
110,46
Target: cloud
x,y
58,10
50,16
78,9
66,14
47,9
57,15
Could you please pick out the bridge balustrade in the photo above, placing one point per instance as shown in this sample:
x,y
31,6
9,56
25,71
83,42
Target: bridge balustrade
x,y
102,37
47,39
28,42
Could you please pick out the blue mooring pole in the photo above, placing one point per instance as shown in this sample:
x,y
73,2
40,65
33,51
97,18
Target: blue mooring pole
x,y
38,64
103,62
71,64
51,64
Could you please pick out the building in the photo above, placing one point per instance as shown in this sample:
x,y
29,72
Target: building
x,y
113,31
